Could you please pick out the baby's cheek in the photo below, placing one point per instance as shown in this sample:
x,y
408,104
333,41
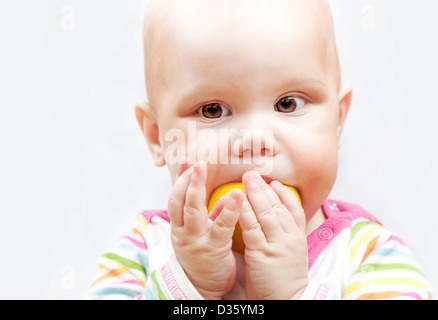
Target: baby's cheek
x,y
318,176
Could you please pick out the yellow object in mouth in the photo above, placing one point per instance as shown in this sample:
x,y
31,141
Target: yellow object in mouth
x,y
238,244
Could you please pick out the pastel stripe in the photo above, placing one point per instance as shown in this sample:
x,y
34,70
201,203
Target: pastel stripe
x,y
361,241
113,291
370,247
387,280
124,261
389,266
390,295
142,221
379,295
359,225
148,295
396,239
134,281
161,294
110,274
141,255
414,295
139,233
135,242
393,253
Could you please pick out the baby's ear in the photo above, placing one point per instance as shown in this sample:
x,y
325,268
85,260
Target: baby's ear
x,y
344,98
149,127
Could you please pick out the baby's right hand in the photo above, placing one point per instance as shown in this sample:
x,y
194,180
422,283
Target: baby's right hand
x,y
203,246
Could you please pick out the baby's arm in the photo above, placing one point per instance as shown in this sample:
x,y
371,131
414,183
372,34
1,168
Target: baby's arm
x,y
123,269
127,273
385,267
382,268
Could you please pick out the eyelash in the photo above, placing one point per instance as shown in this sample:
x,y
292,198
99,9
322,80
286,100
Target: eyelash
x,y
296,104
276,106
214,105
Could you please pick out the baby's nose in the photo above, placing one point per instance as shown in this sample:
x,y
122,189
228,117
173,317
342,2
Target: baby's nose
x,y
252,143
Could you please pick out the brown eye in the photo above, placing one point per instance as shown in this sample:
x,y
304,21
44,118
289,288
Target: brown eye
x,y
214,111
289,104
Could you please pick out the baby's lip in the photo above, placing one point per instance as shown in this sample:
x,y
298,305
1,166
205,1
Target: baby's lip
x,y
238,179
267,179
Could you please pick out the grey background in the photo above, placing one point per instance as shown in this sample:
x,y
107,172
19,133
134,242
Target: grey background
x,y
75,169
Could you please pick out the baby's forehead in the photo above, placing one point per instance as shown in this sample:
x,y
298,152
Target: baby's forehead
x,y
309,20
165,13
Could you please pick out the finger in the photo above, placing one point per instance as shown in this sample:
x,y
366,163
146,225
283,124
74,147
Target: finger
x,y
265,203
291,202
177,197
184,164
223,227
218,207
195,211
252,232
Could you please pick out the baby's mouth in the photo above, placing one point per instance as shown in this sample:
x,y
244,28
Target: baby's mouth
x,y
226,189
267,179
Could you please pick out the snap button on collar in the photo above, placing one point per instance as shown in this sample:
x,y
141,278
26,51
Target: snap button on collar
x,y
325,233
333,206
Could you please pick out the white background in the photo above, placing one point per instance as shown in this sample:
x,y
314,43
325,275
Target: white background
x,y
75,169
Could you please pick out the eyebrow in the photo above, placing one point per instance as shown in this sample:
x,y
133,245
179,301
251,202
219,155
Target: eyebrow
x,y
297,80
315,87
193,95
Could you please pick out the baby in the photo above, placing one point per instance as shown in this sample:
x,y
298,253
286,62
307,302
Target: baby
x,y
250,91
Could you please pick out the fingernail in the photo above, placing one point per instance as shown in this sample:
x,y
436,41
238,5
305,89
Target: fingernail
x,y
276,183
254,176
235,194
197,168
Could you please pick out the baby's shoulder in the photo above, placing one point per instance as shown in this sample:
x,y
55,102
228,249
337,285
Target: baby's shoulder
x,y
363,226
147,219
148,215
366,232
347,211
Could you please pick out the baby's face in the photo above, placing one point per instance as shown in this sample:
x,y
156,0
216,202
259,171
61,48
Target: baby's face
x,y
263,78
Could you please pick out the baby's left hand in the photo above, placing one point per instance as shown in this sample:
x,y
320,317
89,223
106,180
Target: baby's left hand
x,y
273,225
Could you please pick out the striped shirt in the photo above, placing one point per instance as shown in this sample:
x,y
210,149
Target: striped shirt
x,y
351,256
